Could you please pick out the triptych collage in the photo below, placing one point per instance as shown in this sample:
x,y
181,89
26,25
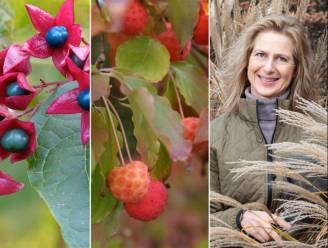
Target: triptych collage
x,y
163,123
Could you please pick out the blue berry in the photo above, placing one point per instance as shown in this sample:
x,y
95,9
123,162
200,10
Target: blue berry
x,y
13,89
84,99
79,63
15,140
56,36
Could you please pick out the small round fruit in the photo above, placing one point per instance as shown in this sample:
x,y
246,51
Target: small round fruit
x,y
135,18
83,99
13,89
201,30
129,183
77,61
191,124
56,36
15,140
151,205
171,42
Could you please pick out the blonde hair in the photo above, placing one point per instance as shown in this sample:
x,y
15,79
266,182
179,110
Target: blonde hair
x,y
234,68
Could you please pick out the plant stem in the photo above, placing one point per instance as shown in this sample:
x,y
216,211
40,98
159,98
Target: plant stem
x,y
177,94
122,129
44,84
114,131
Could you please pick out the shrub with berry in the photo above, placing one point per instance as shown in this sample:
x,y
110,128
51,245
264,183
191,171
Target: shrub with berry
x,y
47,123
149,104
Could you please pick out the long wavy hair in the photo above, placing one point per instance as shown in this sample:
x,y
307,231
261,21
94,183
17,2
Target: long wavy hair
x,y
233,71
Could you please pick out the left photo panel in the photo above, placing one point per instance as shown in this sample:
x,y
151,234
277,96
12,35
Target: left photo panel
x,y
44,123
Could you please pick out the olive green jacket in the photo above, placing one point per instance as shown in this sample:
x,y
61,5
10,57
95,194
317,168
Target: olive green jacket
x,y
238,137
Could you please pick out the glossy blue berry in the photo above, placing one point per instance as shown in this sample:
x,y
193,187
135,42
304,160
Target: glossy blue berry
x,y
56,36
15,140
79,63
84,99
13,89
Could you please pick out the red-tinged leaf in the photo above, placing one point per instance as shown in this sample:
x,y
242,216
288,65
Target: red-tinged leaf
x,y
40,19
66,103
162,120
100,87
8,185
17,60
65,16
38,47
85,127
74,35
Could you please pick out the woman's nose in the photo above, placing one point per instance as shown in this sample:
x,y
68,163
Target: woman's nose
x,y
268,65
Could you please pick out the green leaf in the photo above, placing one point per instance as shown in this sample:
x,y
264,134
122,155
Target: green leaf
x,y
102,202
183,14
133,83
58,171
192,83
99,131
165,123
162,168
145,57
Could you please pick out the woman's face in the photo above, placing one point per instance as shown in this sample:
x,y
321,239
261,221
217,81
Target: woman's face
x,y
271,65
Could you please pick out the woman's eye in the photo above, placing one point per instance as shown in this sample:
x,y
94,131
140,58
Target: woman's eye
x,y
261,55
283,59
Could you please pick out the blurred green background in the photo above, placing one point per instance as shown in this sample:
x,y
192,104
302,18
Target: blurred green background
x,y
25,220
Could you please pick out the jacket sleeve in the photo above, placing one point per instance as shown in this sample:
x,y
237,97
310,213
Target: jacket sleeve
x,y
229,215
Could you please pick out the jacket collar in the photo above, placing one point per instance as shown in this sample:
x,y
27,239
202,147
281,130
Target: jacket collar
x,y
248,108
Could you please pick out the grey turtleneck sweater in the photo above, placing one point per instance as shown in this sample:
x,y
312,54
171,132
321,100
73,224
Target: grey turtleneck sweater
x,y
266,114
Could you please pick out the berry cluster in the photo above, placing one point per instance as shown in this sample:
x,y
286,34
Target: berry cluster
x,y
144,198
60,38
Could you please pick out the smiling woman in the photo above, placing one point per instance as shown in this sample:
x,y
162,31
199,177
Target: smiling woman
x,y
267,68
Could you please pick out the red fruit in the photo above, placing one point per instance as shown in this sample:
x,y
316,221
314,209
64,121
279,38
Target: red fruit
x,y
170,41
201,29
151,205
135,18
129,183
191,124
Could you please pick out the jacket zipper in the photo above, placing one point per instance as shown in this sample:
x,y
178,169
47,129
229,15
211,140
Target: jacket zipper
x,y
270,177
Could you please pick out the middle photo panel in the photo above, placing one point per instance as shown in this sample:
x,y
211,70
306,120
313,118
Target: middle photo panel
x,y
149,123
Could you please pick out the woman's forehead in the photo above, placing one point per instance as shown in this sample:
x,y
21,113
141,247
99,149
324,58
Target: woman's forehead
x,y
273,42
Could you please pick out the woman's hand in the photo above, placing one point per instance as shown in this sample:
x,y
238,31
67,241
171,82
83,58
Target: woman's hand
x,y
258,224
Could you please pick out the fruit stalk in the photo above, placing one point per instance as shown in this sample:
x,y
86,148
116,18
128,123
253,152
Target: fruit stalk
x,y
122,130
114,131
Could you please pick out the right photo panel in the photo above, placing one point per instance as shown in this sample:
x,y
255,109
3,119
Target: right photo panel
x,y
268,124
